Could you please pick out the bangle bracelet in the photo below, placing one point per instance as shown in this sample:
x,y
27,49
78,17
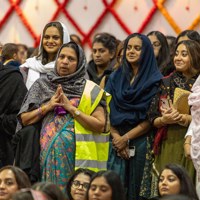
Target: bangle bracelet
x,y
42,109
40,114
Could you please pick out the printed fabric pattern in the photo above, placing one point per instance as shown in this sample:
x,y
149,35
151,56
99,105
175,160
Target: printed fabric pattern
x,y
57,140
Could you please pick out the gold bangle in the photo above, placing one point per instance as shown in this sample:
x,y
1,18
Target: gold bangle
x,y
40,113
42,108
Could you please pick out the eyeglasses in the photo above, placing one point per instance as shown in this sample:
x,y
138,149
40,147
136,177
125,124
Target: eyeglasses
x,y
76,185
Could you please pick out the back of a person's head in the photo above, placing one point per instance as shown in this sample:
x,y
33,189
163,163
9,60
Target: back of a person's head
x,y
50,189
22,196
9,51
20,176
30,194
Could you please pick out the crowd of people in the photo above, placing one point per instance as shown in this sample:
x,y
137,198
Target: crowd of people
x,y
121,126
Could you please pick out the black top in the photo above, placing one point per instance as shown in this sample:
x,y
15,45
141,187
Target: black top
x,y
13,91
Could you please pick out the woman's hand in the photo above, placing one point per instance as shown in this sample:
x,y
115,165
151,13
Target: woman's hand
x,y
37,114
119,142
170,115
124,153
66,104
185,120
55,99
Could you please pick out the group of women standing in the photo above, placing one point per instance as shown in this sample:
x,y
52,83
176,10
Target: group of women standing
x,y
81,126
137,88
138,75
66,103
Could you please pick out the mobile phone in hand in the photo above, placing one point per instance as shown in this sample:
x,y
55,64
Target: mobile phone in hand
x,y
131,151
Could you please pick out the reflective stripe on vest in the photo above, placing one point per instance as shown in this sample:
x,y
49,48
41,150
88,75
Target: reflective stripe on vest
x,y
92,165
91,148
89,137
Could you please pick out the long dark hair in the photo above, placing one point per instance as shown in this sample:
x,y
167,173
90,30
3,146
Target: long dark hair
x,y
186,185
193,49
114,181
43,55
20,176
163,58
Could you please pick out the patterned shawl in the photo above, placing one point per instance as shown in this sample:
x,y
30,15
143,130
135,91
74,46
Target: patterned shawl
x,y
167,88
44,88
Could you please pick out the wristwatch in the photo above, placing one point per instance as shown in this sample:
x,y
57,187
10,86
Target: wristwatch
x,y
77,113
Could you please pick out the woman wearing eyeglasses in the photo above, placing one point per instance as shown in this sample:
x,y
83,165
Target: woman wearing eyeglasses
x,y
78,184
161,52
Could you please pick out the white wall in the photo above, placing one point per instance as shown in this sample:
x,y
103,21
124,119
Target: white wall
x,y
86,12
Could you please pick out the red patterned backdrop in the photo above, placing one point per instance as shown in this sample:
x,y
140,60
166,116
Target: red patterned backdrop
x,y
23,20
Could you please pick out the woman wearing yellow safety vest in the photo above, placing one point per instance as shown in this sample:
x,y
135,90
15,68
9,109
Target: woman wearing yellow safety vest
x,y
74,114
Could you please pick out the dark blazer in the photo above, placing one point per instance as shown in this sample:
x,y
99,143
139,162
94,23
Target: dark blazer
x,y
26,145
12,93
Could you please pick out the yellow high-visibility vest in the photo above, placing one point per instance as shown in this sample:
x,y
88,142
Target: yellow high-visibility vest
x,y
91,148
